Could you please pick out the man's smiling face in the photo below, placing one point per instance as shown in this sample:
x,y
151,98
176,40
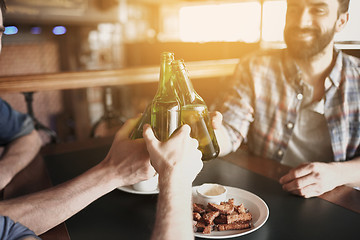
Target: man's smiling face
x,y
310,26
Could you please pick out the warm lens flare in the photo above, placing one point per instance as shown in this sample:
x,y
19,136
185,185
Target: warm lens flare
x,y
274,14
230,22
221,22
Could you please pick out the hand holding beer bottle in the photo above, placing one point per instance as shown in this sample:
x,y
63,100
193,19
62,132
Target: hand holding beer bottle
x,y
176,103
163,113
165,107
194,112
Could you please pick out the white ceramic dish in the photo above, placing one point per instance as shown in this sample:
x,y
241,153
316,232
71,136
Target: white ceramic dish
x,y
149,185
257,207
130,189
211,193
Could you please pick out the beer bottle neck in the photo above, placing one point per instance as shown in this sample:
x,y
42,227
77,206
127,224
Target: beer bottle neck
x,y
185,89
165,88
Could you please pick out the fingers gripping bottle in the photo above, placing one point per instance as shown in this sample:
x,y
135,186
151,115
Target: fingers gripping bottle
x,y
194,112
165,107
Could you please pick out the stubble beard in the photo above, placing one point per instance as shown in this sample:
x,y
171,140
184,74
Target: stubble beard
x,y
307,49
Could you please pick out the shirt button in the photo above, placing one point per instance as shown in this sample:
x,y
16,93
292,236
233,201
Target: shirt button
x,y
280,153
299,96
289,125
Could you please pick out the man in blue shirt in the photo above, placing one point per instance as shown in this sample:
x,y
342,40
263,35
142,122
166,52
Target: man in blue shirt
x,y
20,139
9,230
21,143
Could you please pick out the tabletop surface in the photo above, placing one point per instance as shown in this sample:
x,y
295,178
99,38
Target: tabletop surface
x,y
121,215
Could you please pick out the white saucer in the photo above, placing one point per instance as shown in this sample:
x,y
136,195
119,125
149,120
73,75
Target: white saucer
x,y
130,189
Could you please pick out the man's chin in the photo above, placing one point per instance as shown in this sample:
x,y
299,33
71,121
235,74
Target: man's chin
x,y
300,50
302,43
300,47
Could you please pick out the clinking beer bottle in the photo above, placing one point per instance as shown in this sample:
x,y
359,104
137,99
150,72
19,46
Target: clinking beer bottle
x,y
137,132
165,107
194,112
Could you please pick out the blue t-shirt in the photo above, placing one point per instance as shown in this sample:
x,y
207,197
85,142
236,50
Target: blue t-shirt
x,y
13,124
9,230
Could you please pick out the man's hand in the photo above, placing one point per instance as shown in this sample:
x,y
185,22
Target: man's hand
x,y
221,134
216,119
127,162
177,161
129,158
178,157
312,179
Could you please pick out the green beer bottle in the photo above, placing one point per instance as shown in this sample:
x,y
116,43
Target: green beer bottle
x,y
194,112
137,132
165,107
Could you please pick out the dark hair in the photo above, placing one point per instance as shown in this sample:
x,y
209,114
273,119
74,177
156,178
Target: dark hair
x,y
343,6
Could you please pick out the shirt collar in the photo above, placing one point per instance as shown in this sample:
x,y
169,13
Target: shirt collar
x,y
293,72
336,71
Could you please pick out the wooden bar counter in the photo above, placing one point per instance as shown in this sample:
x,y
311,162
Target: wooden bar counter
x,y
86,79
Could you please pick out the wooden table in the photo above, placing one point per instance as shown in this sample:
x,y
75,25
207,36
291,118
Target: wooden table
x,y
121,215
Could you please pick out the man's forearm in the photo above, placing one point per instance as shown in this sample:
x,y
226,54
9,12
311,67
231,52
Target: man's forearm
x,y
44,210
20,153
349,171
173,215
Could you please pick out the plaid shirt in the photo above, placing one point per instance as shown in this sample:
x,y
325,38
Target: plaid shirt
x,y
265,99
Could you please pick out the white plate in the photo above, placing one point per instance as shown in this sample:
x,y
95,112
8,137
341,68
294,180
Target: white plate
x,y
130,189
256,206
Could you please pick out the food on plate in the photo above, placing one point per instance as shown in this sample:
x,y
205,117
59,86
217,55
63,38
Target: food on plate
x,y
233,226
220,217
196,216
225,208
209,217
199,208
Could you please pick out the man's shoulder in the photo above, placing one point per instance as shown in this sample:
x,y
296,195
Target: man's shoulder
x,y
351,61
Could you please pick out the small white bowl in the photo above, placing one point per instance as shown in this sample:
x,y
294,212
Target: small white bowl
x,y
211,193
147,185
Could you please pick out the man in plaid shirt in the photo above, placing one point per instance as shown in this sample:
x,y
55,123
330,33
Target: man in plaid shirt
x,y
300,105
